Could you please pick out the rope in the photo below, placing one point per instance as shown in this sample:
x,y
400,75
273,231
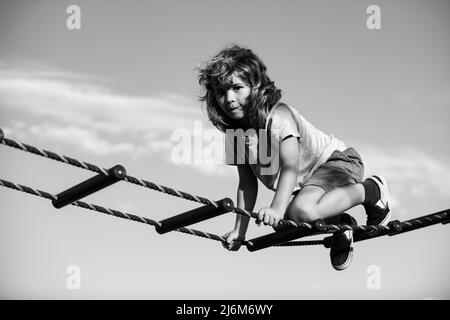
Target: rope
x,y
140,182
170,191
112,212
115,213
301,243
416,223
368,231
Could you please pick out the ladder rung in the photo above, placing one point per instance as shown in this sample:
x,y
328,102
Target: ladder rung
x,y
89,186
282,236
194,216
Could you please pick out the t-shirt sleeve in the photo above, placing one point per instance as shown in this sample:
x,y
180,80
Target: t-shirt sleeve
x,y
284,122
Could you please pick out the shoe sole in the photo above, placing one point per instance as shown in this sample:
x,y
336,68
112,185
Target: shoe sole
x,y
347,262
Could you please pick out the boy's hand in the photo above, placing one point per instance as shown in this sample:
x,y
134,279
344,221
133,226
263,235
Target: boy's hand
x,y
269,216
233,240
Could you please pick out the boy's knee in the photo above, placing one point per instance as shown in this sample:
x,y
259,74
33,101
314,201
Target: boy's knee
x,y
301,212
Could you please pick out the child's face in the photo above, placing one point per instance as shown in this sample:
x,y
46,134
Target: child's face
x,y
233,98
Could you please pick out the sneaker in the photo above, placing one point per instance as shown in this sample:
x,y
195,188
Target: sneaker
x,y
341,252
379,213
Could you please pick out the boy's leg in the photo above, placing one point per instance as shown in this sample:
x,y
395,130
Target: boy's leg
x,y
335,187
339,178
313,202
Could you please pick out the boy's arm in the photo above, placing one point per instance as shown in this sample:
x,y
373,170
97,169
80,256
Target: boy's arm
x,y
289,161
246,197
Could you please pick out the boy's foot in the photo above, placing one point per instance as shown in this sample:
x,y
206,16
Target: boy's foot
x,y
379,213
341,252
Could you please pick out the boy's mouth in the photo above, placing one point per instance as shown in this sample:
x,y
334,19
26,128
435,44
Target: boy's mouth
x,y
233,110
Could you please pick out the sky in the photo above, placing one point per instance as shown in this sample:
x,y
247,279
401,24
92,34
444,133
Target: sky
x,y
123,87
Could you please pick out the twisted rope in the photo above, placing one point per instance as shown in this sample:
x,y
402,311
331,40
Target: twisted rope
x,y
140,182
112,212
409,225
368,232
416,223
300,243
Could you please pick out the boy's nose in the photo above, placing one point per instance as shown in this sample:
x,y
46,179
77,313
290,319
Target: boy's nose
x,y
230,96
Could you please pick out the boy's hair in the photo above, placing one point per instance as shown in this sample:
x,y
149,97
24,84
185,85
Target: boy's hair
x,y
252,71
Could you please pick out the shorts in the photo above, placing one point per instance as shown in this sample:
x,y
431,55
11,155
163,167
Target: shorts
x,y
342,168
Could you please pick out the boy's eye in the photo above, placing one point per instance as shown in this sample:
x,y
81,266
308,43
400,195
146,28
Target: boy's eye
x,y
221,92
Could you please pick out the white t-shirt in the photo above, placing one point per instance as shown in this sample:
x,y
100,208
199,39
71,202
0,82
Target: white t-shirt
x,y
283,121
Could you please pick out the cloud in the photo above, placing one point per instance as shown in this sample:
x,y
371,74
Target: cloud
x,y
96,107
39,103
418,172
86,139
74,111
412,174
